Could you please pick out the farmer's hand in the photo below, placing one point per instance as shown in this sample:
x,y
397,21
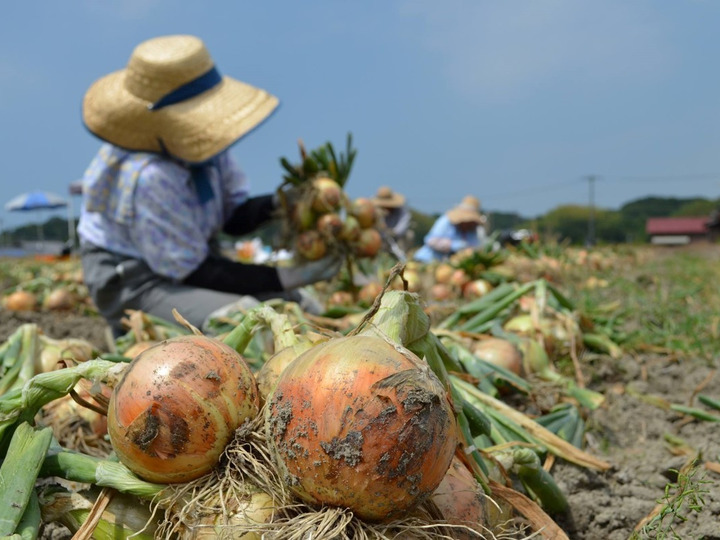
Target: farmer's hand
x,y
443,245
298,276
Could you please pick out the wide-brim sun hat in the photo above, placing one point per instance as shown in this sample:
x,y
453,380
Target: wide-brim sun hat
x,y
468,211
171,99
387,198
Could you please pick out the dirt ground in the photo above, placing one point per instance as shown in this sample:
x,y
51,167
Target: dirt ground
x,y
627,432
631,434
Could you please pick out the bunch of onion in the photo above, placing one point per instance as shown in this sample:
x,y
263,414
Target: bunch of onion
x,y
177,406
362,423
20,301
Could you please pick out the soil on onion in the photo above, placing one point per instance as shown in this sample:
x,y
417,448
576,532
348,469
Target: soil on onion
x,y
627,431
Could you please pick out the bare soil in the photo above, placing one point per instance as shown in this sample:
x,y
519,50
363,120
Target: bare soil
x,y
627,431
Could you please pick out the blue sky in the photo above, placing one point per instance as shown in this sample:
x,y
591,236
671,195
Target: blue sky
x,y
514,101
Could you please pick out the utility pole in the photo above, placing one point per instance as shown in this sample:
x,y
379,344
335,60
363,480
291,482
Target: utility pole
x,y
591,215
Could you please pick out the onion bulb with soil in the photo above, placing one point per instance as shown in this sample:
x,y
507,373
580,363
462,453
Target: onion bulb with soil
x,y
310,245
329,225
360,423
177,406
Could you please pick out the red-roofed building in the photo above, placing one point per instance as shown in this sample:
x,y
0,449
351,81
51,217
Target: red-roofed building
x,y
677,230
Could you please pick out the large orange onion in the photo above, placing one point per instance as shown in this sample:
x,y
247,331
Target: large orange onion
x,y
359,423
178,405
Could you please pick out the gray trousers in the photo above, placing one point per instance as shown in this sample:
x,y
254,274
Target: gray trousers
x,y
117,283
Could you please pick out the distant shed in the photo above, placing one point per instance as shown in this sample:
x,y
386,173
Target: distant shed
x,y
677,230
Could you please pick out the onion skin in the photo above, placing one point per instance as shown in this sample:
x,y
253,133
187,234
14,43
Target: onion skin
x,y
330,225
364,211
270,371
177,406
500,352
311,245
328,195
60,299
21,301
368,243
357,422
461,501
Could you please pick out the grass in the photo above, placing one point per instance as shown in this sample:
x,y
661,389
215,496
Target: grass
x,y
658,300
680,497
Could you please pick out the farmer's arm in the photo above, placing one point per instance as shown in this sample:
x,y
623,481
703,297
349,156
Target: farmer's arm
x,y
243,214
171,231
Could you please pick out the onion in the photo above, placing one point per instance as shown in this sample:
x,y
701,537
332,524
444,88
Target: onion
x,y
500,352
360,423
60,299
364,211
136,348
368,244
443,272
350,230
310,245
54,350
461,501
329,225
413,279
254,509
368,293
21,301
303,215
459,278
328,195
476,288
341,298
270,371
177,406
440,292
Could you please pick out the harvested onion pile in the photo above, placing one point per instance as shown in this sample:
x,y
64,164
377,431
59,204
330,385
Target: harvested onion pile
x,y
318,217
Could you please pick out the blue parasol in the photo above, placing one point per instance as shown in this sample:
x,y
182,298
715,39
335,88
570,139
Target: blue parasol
x,y
36,200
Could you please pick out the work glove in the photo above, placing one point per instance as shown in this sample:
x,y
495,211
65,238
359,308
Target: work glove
x,y
323,269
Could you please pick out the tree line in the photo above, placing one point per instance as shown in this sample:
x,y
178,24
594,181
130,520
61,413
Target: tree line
x,y
567,223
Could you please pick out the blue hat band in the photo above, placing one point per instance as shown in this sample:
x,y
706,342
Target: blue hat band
x,y
189,90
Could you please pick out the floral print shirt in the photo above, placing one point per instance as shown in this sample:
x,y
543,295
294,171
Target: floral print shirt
x,y
148,207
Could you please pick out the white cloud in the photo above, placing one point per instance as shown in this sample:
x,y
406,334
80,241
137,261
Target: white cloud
x,y
510,49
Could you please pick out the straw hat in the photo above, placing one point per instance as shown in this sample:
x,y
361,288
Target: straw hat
x,y
387,198
170,98
468,211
